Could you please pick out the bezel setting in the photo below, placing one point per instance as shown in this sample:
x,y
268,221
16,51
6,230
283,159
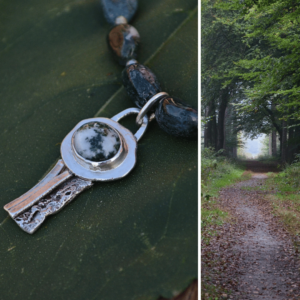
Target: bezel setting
x,y
112,169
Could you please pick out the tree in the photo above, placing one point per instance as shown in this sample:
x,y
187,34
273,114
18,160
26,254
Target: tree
x,y
221,46
251,50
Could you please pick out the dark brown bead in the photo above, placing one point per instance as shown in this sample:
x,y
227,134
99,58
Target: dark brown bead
x,y
140,83
177,118
123,41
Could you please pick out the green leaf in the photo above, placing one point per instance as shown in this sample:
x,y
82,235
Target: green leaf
x,y
135,238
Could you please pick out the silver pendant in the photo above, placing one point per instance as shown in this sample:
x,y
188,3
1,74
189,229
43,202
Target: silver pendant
x,y
97,149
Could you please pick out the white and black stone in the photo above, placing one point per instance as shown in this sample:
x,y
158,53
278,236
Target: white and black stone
x,y
96,142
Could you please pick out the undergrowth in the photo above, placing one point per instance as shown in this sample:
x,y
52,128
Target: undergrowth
x,y
285,195
217,172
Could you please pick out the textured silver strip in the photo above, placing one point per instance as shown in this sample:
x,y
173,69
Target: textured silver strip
x,y
32,218
54,178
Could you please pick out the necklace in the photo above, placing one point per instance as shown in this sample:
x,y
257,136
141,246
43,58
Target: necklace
x,y
100,149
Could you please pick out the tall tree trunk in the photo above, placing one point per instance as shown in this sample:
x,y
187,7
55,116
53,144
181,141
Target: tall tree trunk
x,y
214,131
297,139
291,145
276,128
284,142
234,132
274,144
221,117
206,128
270,144
234,152
210,133
225,127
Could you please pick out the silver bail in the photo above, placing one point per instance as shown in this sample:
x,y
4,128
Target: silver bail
x,y
129,111
146,108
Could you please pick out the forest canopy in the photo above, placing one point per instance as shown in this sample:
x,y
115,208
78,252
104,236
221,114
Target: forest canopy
x,y
250,72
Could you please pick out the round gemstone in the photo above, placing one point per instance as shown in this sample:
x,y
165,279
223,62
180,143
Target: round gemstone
x,y
96,142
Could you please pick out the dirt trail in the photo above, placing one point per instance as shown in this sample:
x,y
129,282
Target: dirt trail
x,y
256,256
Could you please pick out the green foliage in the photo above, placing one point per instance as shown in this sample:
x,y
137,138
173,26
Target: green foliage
x,y
209,162
217,171
288,180
250,52
221,45
286,196
271,66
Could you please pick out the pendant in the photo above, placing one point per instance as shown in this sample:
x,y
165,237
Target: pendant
x,y
97,149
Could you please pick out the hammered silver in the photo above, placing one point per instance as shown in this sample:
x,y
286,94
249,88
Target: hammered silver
x,y
32,218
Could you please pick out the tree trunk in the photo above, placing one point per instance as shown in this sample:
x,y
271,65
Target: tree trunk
x,y
274,145
291,145
214,131
276,127
297,139
234,152
206,128
270,144
284,142
221,118
210,132
225,125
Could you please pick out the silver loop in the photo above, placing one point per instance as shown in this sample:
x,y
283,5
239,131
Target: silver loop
x,y
144,110
129,111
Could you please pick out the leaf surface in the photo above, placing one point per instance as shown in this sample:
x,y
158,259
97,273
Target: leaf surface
x,y
135,238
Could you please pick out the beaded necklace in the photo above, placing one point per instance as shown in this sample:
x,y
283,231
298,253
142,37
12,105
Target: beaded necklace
x,y
100,149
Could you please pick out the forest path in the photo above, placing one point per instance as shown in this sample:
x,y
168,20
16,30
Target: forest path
x,y
254,258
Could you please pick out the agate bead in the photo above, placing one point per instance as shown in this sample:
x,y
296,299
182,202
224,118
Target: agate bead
x,y
177,118
123,40
115,8
96,142
140,83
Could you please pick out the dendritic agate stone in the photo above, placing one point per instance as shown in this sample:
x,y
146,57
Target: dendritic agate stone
x,y
115,8
123,41
140,83
177,118
96,142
